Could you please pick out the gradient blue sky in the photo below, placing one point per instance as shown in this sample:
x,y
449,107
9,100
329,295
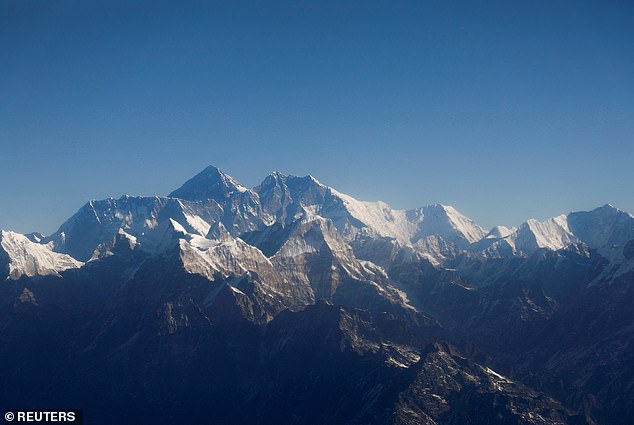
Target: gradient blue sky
x,y
505,109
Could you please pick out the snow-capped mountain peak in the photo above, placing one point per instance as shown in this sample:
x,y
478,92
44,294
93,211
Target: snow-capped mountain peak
x,y
212,206
552,233
211,183
23,257
447,222
498,232
607,229
287,196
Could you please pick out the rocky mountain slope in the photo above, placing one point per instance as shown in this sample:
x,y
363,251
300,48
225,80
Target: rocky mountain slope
x,y
294,303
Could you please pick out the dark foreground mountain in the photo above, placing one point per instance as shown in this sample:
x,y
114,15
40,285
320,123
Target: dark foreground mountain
x,y
292,303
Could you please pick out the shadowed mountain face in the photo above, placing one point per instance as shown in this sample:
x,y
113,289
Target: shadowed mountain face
x,y
293,303
211,183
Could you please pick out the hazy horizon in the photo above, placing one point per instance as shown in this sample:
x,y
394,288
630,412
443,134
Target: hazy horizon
x,y
505,111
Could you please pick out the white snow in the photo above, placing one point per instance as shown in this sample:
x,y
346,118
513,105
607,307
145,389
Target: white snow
x,y
178,228
235,290
240,188
444,220
27,258
552,233
227,256
464,225
380,217
197,223
499,232
496,375
202,243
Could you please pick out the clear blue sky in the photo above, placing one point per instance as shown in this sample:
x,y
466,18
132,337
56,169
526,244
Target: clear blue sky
x,y
505,109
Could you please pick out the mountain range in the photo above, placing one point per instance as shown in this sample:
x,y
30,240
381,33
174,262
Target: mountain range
x,y
294,303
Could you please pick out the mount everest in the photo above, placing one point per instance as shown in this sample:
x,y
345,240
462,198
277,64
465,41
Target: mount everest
x,y
294,303
213,209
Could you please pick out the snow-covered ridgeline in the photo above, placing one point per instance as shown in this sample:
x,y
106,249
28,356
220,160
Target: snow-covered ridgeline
x,y
29,258
213,205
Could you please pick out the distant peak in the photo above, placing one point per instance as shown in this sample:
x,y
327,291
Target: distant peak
x,y
295,183
607,210
210,183
276,176
272,180
212,172
211,168
608,207
446,221
500,232
314,180
438,206
306,180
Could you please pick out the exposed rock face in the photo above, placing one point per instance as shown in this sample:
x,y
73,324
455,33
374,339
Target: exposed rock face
x,y
294,303
449,388
628,250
